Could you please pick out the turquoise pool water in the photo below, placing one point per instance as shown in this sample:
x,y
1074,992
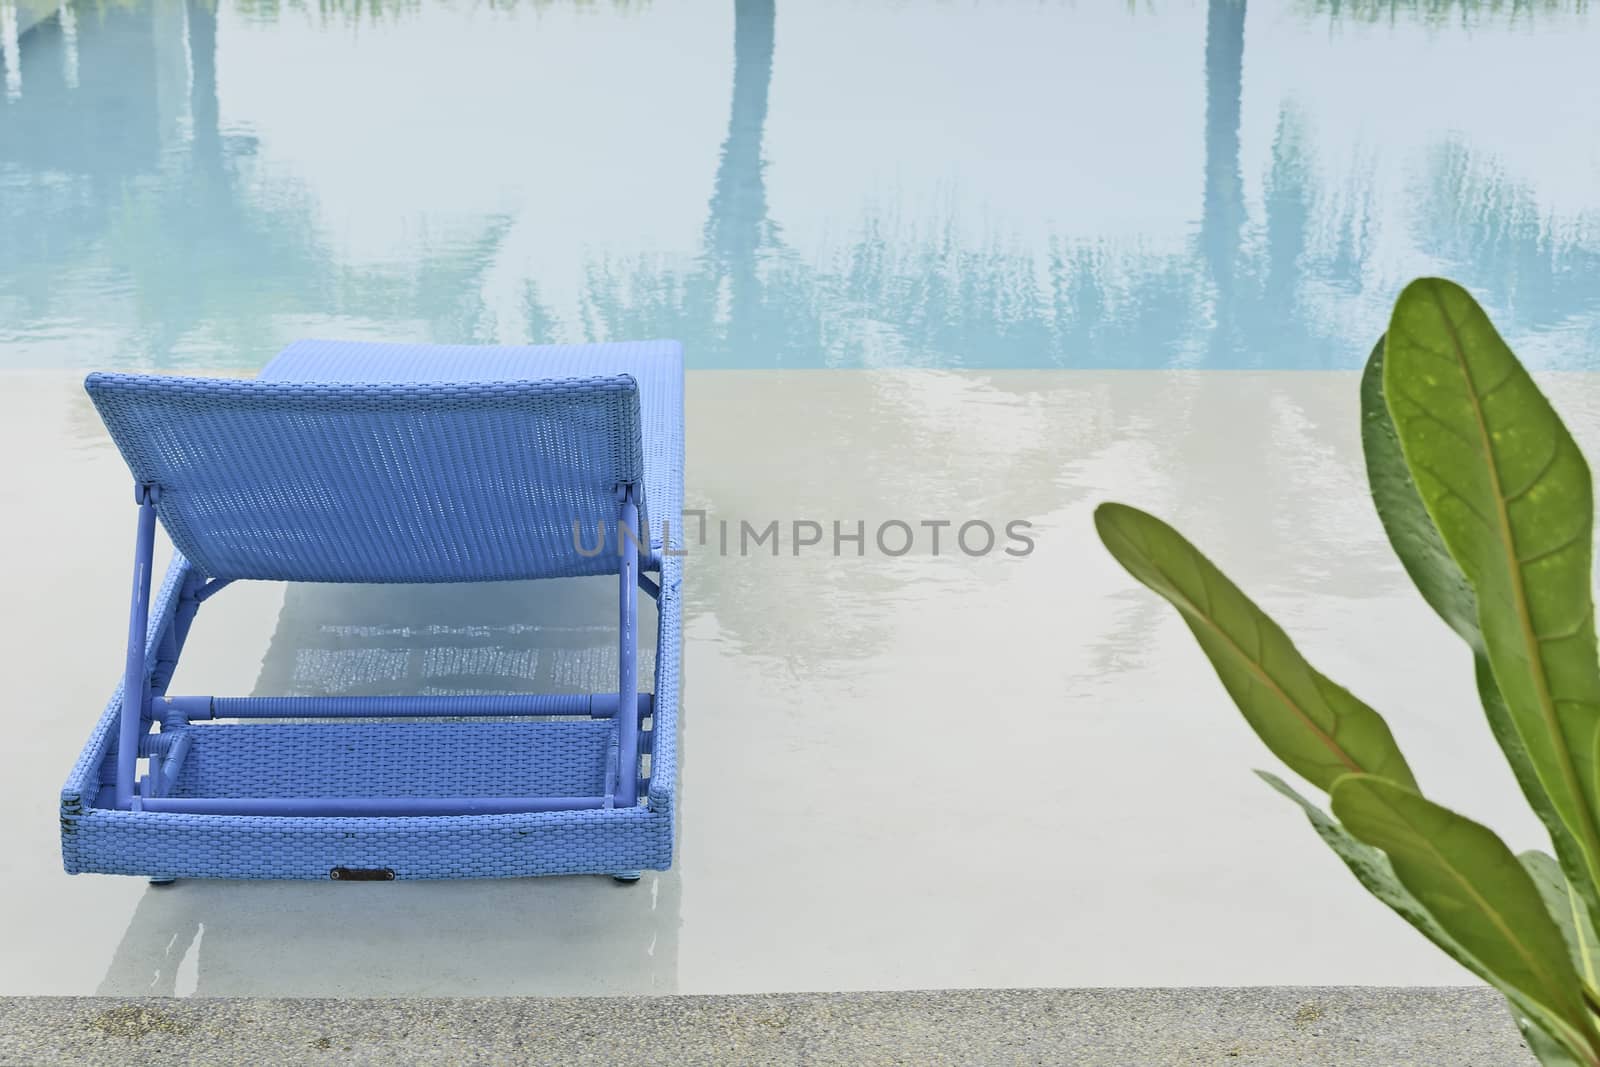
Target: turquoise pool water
x,y
841,184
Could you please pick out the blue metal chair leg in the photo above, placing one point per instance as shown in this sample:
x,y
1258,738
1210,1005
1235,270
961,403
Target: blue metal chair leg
x,y
135,682
158,880
626,877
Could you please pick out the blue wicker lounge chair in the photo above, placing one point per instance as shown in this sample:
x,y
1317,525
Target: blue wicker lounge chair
x,y
349,462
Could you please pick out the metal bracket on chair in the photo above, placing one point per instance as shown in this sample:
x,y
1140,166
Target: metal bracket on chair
x,y
652,590
135,684
207,590
145,700
627,786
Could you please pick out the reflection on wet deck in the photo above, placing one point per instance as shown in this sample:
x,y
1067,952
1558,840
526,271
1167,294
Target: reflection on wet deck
x,y
549,936
899,772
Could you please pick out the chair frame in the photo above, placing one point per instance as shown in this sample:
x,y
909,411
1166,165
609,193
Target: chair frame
x,y
145,702
418,785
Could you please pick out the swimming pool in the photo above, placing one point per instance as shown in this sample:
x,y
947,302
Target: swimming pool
x,y
836,185
945,262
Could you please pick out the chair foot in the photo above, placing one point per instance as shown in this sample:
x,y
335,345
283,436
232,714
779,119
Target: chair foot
x,y
162,881
626,877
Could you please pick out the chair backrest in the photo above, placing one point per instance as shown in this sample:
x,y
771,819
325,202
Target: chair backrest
x,y
375,482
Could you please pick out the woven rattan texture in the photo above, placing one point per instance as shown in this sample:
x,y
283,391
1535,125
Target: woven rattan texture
x,y
378,481
381,756
397,759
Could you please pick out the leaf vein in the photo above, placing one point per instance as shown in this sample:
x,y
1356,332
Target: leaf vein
x,y
1451,491
1425,414
1533,483
1571,631
1497,386
1578,538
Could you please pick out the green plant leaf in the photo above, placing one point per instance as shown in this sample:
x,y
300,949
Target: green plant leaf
x,y
1315,726
1566,908
1372,869
1474,888
1545,1046
1510,495
1410,529
1569,853
1442,583
1547,1035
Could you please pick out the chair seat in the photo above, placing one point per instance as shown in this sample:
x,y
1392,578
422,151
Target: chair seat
x,y
397,759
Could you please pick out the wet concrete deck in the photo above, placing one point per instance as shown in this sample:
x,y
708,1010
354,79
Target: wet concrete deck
x,y
1083,812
